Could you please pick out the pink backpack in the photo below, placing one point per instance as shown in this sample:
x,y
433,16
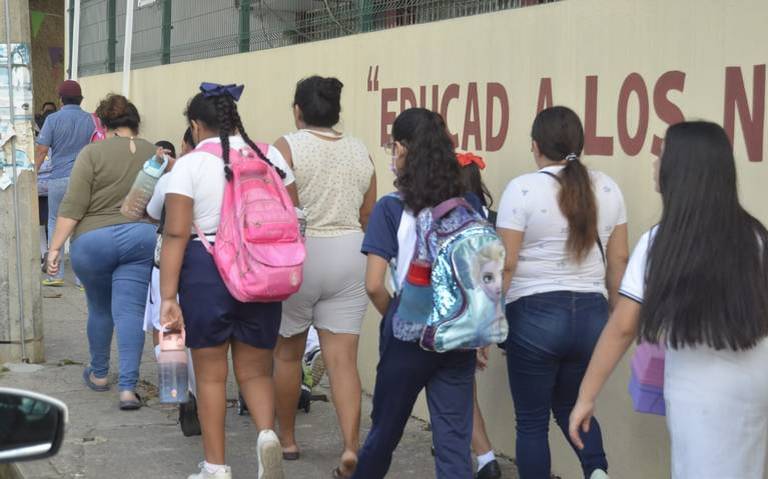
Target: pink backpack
x,y
99,132
258,250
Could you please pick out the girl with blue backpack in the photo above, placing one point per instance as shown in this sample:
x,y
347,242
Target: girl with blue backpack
x,y
427,174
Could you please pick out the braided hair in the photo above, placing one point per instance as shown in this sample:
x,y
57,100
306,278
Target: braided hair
x,y
219,113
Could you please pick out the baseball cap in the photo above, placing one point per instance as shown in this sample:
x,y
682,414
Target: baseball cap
x,y
70,88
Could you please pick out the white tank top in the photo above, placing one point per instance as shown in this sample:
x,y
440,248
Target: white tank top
x,y
332,177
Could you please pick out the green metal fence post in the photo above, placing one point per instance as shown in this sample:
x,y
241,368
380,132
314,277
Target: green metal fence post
x,y
166,32
111,34
366,15
245,26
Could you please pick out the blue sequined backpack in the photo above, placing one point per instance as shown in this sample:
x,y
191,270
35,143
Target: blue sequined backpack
x,y
451,298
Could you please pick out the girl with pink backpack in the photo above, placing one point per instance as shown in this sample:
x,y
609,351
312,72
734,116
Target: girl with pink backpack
x,y
226,196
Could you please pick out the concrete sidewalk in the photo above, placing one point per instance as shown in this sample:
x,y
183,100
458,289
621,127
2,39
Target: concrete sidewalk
x,y
104,442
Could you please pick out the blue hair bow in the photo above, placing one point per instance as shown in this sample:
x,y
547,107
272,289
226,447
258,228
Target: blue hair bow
x,y
214,89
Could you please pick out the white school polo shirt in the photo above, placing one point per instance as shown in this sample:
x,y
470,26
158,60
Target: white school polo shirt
x,y
529,204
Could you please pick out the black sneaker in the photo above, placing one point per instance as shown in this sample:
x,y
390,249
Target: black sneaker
x,y
190,424
489,471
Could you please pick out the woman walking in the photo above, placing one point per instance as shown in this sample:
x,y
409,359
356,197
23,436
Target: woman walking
x,y
698,284
565,231
110,254
336,186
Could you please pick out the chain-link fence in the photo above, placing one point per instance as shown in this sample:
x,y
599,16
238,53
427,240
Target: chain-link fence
x,y
169,31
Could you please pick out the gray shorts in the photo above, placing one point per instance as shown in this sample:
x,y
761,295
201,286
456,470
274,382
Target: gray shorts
x,y
332,296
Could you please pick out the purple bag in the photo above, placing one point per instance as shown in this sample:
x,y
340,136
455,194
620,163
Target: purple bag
x,y
646,384
648,364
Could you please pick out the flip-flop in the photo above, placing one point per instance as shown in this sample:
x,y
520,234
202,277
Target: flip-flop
x,y
88,382
337,474
131,404
291,456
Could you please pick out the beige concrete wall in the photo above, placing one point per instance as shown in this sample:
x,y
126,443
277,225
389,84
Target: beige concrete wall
x,y
565,42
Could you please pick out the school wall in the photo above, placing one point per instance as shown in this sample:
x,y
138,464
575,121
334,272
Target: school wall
x,y
627,67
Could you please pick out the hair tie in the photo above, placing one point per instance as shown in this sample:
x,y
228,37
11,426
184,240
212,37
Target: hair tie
x,y
466,159
214,89
572,157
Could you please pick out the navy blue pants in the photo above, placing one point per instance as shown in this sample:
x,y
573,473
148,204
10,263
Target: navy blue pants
x,y
550,343
404,370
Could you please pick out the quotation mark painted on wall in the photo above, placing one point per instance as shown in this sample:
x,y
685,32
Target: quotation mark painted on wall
x,y
373,78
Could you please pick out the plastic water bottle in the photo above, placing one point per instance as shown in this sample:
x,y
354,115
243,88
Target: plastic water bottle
x,y
172,369
416,298
135,204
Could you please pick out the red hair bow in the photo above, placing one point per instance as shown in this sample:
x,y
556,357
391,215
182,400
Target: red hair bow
x,y
466,159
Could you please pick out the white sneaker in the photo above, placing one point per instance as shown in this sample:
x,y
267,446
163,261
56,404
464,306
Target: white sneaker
x,y
599,474
203,474
270,455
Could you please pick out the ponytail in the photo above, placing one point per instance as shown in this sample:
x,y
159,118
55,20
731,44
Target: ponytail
x,y
577,203
560,137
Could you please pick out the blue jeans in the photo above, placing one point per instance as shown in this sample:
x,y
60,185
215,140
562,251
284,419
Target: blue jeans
x,y
56,190
550,343
404,370
115,264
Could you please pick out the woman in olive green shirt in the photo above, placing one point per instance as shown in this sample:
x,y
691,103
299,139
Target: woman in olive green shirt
x,y
111,254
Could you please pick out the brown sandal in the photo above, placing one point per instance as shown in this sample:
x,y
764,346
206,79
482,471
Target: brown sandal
x,y
337,474
291,456
349,465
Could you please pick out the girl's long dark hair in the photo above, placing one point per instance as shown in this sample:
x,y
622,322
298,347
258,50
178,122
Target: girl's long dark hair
x,y
219,113
707,274
558,133
431,173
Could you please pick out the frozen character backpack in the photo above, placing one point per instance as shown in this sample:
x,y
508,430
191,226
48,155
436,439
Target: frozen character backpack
x,y
451,296
258,251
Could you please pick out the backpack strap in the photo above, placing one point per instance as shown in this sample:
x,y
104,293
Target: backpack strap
x,y
214,148
203,239
211,147
449,205
597,233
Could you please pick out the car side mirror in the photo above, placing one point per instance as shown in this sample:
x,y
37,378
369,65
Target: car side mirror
x,y
31,425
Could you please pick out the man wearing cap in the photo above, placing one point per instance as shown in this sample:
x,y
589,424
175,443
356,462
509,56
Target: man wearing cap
x,y
62,137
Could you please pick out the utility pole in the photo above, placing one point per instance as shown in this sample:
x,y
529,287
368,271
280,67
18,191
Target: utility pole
x,y
21,326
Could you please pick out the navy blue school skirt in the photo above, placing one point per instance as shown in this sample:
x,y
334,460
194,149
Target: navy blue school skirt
x,y
212,316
